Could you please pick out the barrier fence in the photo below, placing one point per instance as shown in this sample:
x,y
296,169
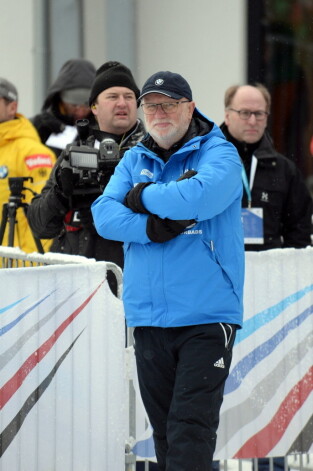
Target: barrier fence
x,y
268,403
69,397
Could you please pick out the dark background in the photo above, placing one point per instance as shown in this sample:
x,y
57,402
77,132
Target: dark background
x,y
280,55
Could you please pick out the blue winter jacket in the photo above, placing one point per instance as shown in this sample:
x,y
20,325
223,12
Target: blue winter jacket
x,y
197,277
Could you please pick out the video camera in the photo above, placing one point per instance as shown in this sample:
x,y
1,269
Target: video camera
x,y
91,168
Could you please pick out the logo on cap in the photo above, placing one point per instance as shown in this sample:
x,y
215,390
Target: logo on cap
x,y
159,82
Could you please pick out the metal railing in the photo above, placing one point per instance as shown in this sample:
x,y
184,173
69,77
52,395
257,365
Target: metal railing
x,y
13,257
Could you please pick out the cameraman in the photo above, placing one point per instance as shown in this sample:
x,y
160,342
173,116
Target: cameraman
x,y
113,100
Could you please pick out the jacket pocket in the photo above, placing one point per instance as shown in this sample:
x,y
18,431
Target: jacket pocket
x,y
229,332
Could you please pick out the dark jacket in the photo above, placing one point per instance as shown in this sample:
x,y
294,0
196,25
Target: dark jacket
x,y
50,213
75,73
280,190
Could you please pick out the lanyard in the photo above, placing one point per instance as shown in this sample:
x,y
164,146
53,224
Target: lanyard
x,y
247,187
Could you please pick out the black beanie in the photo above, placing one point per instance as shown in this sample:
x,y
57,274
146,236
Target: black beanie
x,y
112,74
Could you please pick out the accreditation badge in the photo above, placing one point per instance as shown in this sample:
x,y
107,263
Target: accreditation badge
x,y
252,219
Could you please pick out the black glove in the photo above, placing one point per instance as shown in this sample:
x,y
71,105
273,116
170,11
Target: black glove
x,y
65,180
133,198
188,174
46,124
162,230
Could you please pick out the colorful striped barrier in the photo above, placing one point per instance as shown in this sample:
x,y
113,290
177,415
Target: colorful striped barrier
x,y
268,403
63,387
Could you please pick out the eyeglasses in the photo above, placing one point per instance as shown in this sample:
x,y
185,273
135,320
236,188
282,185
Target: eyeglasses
x,y
246,114
168,108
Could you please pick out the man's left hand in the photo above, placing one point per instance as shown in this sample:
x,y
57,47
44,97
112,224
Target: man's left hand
x,y
163,230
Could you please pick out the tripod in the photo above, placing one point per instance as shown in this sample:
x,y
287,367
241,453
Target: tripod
x,y
9,211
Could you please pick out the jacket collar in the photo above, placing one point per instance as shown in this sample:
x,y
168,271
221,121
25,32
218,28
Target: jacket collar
x,y
262,148
120,139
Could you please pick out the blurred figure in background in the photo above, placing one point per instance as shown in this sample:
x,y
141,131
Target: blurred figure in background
x,y
66,101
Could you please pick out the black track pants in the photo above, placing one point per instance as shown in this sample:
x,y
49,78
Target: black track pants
x,y
182,373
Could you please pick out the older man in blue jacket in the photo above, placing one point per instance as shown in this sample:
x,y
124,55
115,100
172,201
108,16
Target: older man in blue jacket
x,y
175,202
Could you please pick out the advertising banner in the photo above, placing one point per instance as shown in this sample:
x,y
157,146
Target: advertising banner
x,y
62,383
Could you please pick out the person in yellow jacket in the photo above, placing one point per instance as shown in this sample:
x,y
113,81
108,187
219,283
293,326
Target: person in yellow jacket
x,y
21,155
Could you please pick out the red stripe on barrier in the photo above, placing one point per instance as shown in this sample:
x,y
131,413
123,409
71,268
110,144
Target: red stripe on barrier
x,y
263,442
12,385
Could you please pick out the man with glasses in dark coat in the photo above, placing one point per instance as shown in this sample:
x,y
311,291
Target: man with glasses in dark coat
x,y
277,206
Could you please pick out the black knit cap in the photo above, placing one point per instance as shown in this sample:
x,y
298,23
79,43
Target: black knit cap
x,y
112,74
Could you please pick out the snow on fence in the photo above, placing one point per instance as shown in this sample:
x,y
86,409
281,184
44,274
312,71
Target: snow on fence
x,y
65,396
13,257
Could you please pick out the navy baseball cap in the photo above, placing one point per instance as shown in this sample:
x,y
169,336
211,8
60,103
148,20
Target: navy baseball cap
x,y
168,84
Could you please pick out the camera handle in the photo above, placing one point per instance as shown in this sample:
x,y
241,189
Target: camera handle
x,y
9,218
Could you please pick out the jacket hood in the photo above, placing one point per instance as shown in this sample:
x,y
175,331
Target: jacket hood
x,y
75,73
17,128
204,124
